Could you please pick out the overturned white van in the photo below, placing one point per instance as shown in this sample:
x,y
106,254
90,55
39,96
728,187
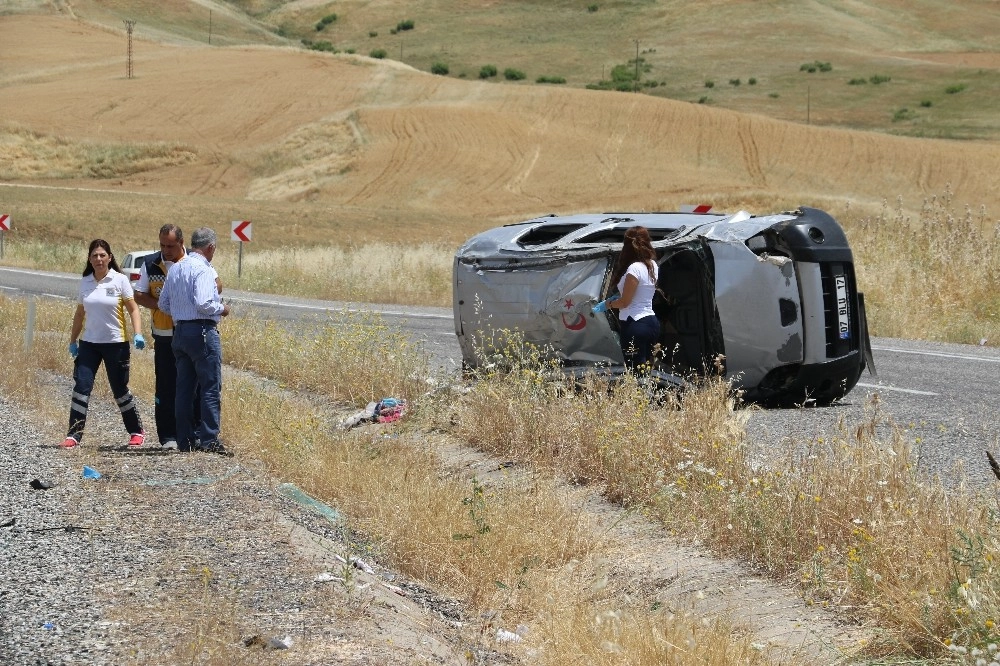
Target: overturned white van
x,y
770,301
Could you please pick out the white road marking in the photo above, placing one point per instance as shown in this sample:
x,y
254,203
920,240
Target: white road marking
x,y
886,387
941,354
30,271
321,308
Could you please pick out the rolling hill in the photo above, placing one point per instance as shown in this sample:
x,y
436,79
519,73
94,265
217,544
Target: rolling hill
x,y
361,138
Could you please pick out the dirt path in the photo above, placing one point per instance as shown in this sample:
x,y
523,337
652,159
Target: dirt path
x,y
689,580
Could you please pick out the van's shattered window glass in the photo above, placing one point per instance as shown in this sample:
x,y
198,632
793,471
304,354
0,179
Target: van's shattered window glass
x,y
544,234
617,235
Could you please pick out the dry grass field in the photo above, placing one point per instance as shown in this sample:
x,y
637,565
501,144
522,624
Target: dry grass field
x,y
321,148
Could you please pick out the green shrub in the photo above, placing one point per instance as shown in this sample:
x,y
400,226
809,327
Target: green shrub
x,y
319,46
703,99
876,79
373,33
404,25
377,53
623,73
350,50
857,82
734,82
815,66
325,21
439,68
550,79
591,8
773,95
752,81
512,74
710,84
487,71
902,114
955,89
926,103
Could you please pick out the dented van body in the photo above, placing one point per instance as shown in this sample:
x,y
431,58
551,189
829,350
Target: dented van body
x,y
769,301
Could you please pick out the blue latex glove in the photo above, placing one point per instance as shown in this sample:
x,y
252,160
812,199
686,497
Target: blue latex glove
x,y
603,305
140,342
74,349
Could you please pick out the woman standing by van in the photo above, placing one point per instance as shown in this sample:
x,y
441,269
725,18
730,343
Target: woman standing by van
x,y
98,336
636,272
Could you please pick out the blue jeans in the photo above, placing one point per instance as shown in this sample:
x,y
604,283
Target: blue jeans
x,y
165,409
637,339
198,358
117,359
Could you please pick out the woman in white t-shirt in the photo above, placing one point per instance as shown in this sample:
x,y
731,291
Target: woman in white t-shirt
x,y
98,336
636,273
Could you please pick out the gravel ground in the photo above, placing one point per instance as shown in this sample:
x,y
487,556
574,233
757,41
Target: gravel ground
x,y
172,558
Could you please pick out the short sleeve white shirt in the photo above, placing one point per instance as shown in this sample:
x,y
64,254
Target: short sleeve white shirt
x,y
642,301
104,307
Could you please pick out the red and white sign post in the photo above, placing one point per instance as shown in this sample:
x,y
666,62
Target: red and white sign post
x,y
4,227
241,231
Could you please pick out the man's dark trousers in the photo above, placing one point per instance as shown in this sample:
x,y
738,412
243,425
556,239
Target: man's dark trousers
x,y
166,389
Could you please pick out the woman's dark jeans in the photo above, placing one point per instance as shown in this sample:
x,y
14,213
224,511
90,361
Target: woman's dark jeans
x,y
116,357
637,339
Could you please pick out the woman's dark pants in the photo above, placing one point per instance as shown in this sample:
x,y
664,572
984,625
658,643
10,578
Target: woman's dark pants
x,y
637,339
116,357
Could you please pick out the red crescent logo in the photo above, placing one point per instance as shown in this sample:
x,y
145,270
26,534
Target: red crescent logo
x,y
577,325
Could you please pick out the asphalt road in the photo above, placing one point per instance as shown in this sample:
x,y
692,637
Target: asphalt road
x,y
946,397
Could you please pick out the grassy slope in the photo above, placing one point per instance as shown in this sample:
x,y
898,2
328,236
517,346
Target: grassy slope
x,y
333,148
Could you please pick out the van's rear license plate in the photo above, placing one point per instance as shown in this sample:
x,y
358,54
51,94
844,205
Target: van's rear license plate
x,y
843,308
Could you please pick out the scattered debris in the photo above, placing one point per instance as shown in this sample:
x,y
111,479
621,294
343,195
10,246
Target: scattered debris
x,y
361,564
386,410
389,410
327,577
38,484
63,528
993,464
504,636
10,523
291,491
268,644
90,473
394,589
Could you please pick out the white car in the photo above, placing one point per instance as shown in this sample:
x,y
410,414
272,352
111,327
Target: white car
x,y
132,264
771,301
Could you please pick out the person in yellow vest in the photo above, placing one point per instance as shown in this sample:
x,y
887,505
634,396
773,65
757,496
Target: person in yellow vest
x,y
147,294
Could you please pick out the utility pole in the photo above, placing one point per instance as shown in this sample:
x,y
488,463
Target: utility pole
x,y
209,27
129,26
636,66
